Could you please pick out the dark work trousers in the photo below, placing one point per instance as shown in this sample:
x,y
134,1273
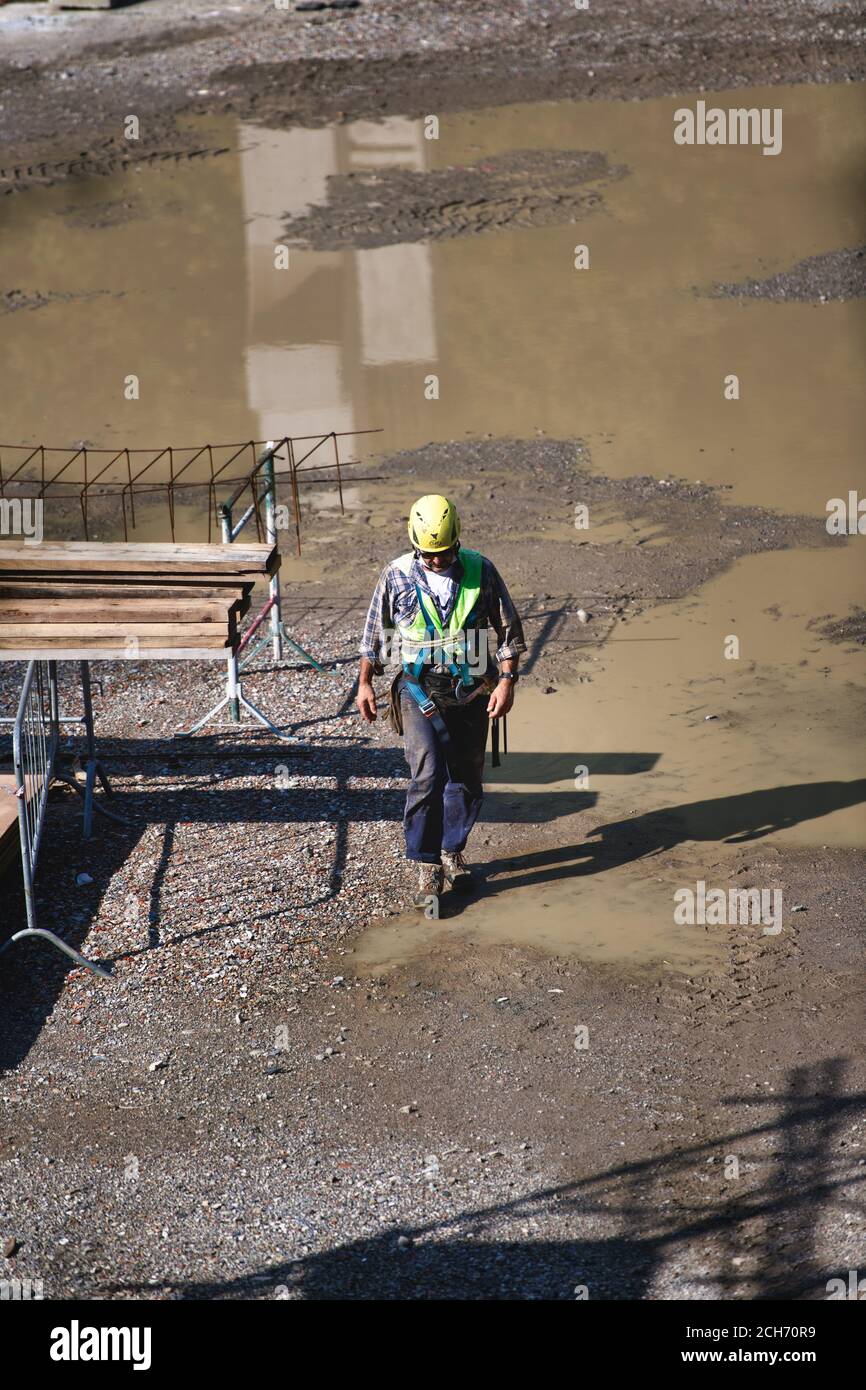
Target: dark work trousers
x,y
440,812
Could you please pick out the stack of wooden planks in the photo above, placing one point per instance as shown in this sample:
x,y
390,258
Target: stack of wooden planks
x,y
8,821
85,600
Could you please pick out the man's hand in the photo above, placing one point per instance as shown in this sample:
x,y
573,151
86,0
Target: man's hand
x,y
501,699
366,702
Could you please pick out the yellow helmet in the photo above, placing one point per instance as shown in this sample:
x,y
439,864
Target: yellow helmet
x,y
433,523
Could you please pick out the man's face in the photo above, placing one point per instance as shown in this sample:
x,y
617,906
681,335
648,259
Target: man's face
x,y
438,560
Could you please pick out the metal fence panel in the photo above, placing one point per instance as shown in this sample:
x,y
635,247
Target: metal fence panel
x,y
35,740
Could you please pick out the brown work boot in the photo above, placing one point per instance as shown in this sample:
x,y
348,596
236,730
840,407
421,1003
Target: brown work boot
x,y
429,888
457,872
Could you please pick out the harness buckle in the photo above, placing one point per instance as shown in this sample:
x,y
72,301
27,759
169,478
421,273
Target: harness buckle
x,y
463,693
428,709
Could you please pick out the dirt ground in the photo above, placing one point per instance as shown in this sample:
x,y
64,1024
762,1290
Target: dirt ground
x,y
270,1099
71,78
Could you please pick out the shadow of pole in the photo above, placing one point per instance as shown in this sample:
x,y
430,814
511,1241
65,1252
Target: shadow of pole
x,y
483,1261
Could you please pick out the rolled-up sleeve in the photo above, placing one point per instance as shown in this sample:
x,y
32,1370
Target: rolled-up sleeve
x,y
503,616
378,622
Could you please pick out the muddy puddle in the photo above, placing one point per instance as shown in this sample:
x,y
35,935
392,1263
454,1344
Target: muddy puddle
x,y
684,759
168,274
715,737
623,923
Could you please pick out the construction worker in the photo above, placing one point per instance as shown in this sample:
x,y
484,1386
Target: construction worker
x,y
434,606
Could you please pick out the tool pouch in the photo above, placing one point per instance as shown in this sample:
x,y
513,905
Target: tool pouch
x,y
394,716
441,691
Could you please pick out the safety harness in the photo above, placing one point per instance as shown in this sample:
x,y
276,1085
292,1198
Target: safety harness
x,y
453,643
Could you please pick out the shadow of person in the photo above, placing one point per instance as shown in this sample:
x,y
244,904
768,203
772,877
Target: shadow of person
x,y
732,819
727,819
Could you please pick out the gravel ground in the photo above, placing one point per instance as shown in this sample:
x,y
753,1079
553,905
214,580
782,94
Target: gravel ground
x,y
833,275
243,1112
334,1156
849,629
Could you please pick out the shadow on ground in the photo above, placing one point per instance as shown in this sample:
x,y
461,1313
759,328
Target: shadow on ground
x,y
757,1243
727,819
31,976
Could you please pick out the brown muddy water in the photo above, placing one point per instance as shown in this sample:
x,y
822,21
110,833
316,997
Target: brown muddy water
x,y
169,274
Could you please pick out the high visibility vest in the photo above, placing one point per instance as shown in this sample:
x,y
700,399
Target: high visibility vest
x,y
425,640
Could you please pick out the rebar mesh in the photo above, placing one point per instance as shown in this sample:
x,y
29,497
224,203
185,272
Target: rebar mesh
x,y
88,473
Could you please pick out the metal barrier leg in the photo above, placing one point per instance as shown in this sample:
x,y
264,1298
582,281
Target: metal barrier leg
x,y
90,802
235,698
263,719
271,531
305,655
91,749
94,771
302,652
60,946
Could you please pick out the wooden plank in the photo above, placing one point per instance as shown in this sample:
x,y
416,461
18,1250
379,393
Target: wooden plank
x,y
88,557
234,599
8,807
27,587
115,610
10,842
106,648
144,551
166,574
113,654
213,585
117,632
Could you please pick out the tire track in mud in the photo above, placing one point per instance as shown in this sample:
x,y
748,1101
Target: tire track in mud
x,y
16,301
387,206
19,177
753,982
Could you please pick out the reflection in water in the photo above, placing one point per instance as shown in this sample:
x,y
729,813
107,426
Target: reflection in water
x,y
229,347
357,309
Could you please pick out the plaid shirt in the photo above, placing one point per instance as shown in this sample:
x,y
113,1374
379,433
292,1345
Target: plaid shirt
x,y
395,601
